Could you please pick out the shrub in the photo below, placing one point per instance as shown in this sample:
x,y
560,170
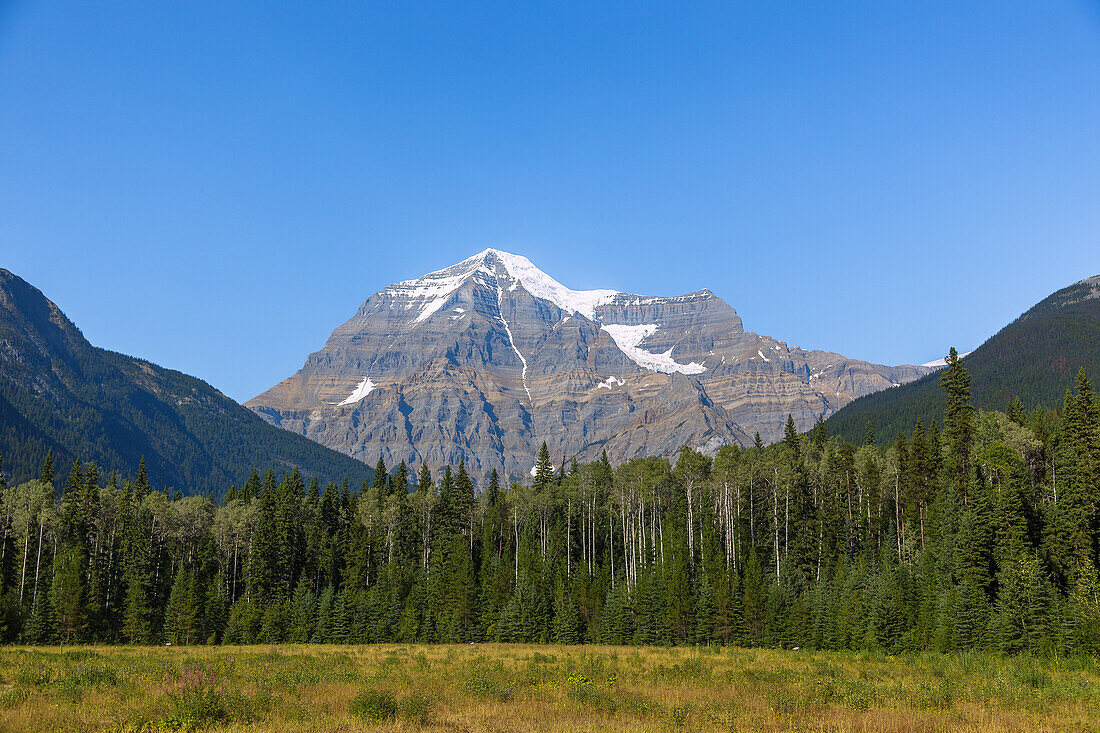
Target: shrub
x,y
86,675
374,705
483,680
934,697
13,698
197,700
34,675
583,691
1031,676
489,687
416,707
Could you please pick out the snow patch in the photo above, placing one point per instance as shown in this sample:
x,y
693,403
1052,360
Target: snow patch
x,y
541,285
627,338
512,341
611,382
360,392
761,353
941,363
431,292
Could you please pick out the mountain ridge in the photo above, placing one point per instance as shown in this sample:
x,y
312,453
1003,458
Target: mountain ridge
x,y
1033,357
508,356
59,392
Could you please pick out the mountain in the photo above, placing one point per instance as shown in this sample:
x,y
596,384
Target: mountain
x,y
484,360
60,393
1035,358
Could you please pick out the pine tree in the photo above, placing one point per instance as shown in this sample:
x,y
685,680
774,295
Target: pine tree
x,y
67,593
47,468
135,624
753,600
217,609
544,469
40,626
399,482
566,613
323,630
705,614
958,420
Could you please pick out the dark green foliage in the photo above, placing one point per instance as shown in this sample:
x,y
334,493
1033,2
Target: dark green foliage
x,y
374,705
197,700
117,410
1030,360
984,536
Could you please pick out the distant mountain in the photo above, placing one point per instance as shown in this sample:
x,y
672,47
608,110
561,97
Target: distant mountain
x,y
1035,358
484,360
59,392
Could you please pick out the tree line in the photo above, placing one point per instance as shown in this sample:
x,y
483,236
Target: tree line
x,y
982,533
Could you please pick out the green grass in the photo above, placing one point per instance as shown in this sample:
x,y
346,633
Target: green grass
x,y
516,687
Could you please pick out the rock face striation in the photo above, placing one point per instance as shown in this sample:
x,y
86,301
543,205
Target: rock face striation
x,y
488,358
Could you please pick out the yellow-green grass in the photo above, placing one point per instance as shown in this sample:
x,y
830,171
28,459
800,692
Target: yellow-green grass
x,y
501,687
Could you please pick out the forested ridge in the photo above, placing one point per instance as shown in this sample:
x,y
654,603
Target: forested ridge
x,y
980,533
61,395
1031,358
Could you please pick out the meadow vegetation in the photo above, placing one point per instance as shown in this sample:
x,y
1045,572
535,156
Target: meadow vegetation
x,y
537,687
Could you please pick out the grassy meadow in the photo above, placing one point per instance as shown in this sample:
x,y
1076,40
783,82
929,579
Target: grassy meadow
x,y
543,688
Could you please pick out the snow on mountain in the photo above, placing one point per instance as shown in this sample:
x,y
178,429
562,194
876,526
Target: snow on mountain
x,y
942,362
360,392
541,285
512,339
627,339
484,360
430,292
611,383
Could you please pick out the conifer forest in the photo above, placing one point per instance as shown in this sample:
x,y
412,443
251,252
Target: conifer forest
x,y
980,533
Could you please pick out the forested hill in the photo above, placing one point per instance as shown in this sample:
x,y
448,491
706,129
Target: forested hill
x,y
982,535
60,393
1033,358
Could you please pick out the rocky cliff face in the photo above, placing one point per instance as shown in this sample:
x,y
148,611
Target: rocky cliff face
x,y
486,359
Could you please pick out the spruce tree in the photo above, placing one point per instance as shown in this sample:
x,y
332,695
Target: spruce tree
x,y
958,420
47,468
754,600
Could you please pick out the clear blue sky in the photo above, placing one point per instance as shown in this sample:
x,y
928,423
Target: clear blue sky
x,y
215,186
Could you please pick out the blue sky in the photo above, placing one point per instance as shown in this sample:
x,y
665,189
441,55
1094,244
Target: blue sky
x,y
215,186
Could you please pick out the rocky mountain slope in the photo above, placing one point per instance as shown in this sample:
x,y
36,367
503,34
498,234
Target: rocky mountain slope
x,y
1035,358
484,360
60,393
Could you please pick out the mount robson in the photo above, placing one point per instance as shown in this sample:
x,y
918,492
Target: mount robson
x,y
485,360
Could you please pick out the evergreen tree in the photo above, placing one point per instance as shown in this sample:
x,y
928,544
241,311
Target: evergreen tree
x,y
47,468
754,600
958,419
67,593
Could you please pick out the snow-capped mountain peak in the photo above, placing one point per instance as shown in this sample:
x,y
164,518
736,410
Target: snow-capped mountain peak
x,y
428,293
541,285
483,360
